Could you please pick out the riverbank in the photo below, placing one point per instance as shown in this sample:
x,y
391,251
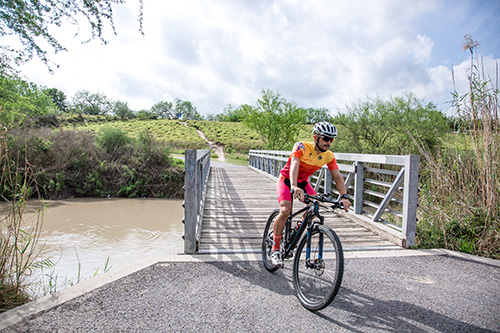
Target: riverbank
x,y
109,163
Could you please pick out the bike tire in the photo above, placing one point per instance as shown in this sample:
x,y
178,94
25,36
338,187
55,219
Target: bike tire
x,y
267,241
317,286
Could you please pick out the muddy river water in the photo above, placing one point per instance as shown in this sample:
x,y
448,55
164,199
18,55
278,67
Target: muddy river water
x,y
80,235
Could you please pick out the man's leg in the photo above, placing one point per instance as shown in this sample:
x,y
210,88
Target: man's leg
x,y
279,226
285,201
285,210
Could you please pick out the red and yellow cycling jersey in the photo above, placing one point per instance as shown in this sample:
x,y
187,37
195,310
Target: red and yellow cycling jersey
x,y
310,160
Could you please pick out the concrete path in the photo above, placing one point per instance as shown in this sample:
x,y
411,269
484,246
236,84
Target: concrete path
x,y
382,291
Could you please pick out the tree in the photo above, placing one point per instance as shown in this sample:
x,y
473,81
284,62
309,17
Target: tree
x,y
146,114
122,110
316,115
31,21
20,99
87,102
187,110
396,126
275,119
58,98
164,109
229,114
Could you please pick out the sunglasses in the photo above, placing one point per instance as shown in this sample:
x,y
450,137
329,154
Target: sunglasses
x,y
327,138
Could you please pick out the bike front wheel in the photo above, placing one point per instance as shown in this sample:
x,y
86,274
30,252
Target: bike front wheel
x,y
317,277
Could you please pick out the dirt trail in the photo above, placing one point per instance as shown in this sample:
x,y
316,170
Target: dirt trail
x,y
218,149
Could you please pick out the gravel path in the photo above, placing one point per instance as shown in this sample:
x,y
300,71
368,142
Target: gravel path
x,y
218,149
435,293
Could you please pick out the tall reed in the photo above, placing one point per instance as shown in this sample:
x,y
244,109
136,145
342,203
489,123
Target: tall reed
x,y
19,248
460,195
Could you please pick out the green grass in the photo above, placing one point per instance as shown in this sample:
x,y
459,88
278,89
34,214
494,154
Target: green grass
x,y
235,137
176,135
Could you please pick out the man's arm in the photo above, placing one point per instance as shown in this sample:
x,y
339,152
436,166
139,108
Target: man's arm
x,y
294,173
339,181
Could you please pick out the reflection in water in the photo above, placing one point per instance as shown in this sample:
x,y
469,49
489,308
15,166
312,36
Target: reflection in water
x,y
80,234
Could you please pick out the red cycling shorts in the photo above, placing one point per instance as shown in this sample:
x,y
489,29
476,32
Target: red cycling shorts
x,y
283,188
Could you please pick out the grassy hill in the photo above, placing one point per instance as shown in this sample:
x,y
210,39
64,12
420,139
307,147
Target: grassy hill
x,y
176,135
235,137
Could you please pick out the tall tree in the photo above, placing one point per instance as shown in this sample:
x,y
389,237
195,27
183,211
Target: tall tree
x,y
58,97
164,109
187,110
93,103
275,119
230,114
315,115
122,110
146,114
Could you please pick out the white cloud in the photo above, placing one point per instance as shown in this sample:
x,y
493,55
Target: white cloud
x,y
212,53
423,49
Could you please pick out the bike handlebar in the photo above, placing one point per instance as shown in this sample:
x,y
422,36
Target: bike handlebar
x,y
327,197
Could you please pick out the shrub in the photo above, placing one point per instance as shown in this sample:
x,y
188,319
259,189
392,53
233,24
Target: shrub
x,y
19,249
398,126
112,139
70,163
460,186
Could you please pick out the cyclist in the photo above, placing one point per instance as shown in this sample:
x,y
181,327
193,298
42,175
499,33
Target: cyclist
x,y
306,158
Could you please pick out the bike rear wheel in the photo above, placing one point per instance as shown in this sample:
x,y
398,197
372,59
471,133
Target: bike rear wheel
x,y
267,241
317,279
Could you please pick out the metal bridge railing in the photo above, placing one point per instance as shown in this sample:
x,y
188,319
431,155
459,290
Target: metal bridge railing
x,y
384,188
197,167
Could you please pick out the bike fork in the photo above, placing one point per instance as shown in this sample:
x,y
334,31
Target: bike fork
x,y
319,254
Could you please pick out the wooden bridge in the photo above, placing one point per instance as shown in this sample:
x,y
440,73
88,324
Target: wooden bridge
x,y
226,207
238,203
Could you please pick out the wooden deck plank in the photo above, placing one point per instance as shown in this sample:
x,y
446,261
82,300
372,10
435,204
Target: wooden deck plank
x,y
238,203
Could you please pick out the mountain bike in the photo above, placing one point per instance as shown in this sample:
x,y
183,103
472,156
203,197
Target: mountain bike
x,y
318,265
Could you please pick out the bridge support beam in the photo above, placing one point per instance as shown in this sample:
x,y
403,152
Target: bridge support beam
x,y
197,167
190,196
359,179
410,199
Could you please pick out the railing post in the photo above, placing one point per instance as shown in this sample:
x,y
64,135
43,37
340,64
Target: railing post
x,y
190,202
359,179
199,185
328,181
410,200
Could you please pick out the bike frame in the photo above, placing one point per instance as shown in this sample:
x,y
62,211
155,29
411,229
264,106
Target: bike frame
x,y
290,244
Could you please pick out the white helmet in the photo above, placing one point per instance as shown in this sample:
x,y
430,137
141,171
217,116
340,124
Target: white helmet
x,y
324,128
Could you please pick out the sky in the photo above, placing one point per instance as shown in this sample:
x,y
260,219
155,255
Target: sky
x,y
316,53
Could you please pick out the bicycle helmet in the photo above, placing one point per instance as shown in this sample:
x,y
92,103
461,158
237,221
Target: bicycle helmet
x,y
324,128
